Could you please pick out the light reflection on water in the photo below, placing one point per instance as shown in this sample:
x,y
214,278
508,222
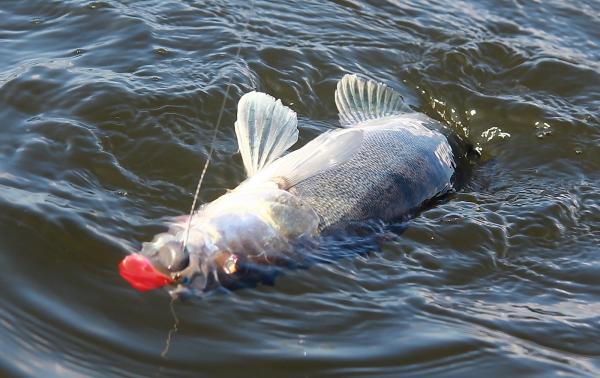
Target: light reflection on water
x,y
107,110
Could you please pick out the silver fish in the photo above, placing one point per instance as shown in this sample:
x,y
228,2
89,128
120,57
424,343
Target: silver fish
x,y
385,162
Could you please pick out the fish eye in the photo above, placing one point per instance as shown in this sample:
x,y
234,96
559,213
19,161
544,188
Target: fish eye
x,y
172,256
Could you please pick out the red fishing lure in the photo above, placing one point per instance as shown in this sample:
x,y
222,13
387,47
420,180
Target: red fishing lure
x,y
139,272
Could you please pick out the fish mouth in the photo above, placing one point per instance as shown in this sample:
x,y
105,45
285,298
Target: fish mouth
x,y
139,272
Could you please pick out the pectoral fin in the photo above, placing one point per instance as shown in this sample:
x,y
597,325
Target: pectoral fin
x,y
322,153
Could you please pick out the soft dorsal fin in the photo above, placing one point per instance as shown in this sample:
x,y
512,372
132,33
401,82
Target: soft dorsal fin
x,y
359,100
265,129
322,153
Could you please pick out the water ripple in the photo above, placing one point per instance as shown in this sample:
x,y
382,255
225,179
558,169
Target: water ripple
x,y
107,109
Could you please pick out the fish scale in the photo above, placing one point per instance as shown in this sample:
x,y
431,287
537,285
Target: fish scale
x,y
393,174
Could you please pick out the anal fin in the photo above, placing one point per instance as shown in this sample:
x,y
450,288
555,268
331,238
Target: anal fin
x,y
359,100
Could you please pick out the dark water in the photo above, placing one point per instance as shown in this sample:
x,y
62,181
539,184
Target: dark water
x,y
106,112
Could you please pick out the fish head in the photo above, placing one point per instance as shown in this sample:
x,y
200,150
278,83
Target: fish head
x,y
155,265
165,261
239,227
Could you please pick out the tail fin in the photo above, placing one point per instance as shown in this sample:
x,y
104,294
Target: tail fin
x,y
265,129
359,100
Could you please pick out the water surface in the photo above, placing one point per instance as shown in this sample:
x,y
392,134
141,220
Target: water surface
x,y
106,115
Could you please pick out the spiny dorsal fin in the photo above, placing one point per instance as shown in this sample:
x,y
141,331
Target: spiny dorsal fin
x,y
265,129
359,100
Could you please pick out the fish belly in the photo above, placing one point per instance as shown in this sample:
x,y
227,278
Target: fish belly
x,y
396,171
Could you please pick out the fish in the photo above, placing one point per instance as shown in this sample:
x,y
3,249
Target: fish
x,y
385,162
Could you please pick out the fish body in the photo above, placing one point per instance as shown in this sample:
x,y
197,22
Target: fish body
x,y
402,164
385,163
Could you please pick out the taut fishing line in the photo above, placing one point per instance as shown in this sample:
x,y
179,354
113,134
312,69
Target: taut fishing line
x,y
174,329
216,130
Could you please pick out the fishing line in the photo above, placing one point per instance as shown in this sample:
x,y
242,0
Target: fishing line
x,y
216,130
175,326
172,331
